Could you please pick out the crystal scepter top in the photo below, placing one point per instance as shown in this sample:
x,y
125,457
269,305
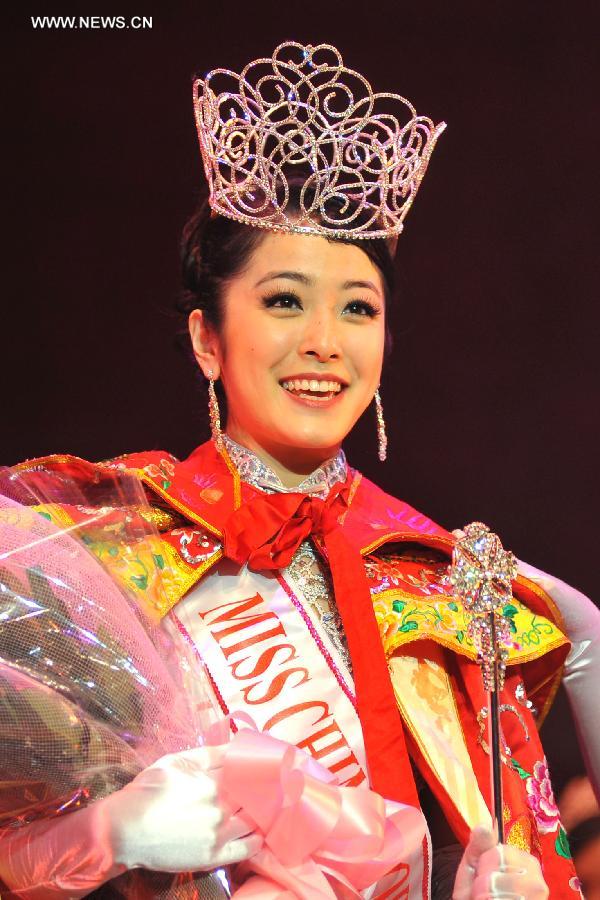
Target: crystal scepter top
x,y
481,574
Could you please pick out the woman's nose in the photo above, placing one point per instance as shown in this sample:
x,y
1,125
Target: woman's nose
x,y
321,338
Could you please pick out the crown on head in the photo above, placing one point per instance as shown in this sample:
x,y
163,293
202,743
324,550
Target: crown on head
x,y
301,117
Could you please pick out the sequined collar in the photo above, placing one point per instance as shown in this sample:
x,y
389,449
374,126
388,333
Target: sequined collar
x,y
257,473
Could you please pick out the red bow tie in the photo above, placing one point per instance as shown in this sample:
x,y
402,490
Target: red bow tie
x,y
264,534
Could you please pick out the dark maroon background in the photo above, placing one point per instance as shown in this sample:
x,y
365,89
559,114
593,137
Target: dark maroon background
x,y
491,395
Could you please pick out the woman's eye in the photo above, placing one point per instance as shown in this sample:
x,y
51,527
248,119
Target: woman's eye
x,y
362,308
282,301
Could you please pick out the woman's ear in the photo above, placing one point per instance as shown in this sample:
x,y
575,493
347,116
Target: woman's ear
x,y
205,344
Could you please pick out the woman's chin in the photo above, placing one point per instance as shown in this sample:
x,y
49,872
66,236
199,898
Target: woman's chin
x,y
293,436
312,440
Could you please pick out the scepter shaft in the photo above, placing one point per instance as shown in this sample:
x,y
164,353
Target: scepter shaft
x,y
494,742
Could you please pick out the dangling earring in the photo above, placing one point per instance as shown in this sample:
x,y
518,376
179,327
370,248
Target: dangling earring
x,y
381,435
214,412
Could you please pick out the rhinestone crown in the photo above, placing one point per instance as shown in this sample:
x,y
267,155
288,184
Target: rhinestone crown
x,y
302,114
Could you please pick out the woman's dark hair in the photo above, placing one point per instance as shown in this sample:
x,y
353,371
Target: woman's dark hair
x,y
214,249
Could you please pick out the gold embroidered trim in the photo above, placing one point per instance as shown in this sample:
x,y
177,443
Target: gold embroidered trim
x,y
354,487
441,619
536,589
38,461
161,519
188,577
237,484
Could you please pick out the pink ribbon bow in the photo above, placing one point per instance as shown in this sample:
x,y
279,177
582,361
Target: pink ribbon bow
x,y
315,831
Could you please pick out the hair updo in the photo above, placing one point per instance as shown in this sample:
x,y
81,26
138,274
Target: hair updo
x,y
215,249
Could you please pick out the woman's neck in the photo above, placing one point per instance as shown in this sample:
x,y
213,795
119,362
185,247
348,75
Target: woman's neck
x,y
290,464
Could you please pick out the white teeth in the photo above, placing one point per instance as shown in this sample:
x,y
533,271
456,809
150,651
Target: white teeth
x,y
304,384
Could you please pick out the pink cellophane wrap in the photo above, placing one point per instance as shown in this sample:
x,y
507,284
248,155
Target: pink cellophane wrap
x,y
321,840
92,690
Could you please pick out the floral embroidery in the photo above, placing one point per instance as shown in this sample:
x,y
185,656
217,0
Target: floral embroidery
x,y
406,518
561,845
211,495
540,798
521,697
391,572
575,884
539,629
398,616
190,540
143,570
163,472
208,490
204,480
406,613
120,466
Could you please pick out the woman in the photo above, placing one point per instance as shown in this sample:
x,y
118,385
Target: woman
x,y
318,603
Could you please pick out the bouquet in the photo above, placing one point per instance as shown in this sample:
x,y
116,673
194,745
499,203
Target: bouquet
x,y
93,687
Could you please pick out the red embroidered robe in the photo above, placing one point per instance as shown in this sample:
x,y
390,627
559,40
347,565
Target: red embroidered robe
x,y
432,665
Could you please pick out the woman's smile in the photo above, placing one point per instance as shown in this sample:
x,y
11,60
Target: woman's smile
x,y
313,389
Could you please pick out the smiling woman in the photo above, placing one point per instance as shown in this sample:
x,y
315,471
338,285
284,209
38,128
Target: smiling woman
x,y
316,308
319,604
285,337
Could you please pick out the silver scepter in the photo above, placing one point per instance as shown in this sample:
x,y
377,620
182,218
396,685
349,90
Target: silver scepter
x,y
481,574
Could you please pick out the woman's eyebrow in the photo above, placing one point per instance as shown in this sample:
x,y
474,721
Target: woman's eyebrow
x,y
361,284
308,281
293,276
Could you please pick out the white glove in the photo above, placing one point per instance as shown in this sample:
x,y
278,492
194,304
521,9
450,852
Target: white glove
x,y
582,666
489,870
167,819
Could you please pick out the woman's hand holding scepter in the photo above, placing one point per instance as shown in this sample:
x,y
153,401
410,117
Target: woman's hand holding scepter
x,y
481,574
581,624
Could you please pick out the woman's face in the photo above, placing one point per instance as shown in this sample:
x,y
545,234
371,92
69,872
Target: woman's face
x,y
301,347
